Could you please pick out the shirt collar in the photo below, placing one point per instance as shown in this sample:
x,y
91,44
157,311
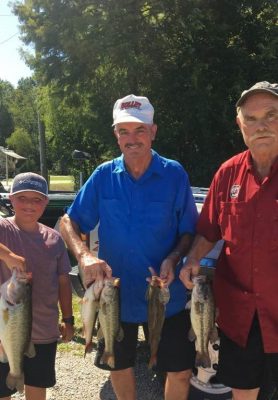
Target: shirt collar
x,y
251,168
156,166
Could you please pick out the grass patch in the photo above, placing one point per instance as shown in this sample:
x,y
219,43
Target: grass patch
x,y
63,183
77,345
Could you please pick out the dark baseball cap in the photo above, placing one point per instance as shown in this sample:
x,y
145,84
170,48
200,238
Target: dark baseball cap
x,y
29,182
259,87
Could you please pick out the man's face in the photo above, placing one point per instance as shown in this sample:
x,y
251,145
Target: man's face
x,y
135,139
258,122
28,206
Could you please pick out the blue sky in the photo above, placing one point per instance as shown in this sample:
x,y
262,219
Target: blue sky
x,y
12,67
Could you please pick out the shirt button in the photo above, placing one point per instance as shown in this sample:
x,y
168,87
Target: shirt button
x,y
256,269
257,294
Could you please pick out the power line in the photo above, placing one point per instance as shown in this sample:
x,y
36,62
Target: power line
x,y
9,38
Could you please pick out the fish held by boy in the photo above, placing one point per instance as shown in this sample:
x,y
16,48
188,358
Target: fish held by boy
x,y
16,326
202,314
109,319
158,296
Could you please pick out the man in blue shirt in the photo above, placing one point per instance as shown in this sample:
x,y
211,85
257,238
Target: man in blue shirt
x,y
146,214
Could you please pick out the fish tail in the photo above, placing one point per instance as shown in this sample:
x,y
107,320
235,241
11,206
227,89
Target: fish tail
x,y
109,359
88,348
15,382
30,351
202,360
152,361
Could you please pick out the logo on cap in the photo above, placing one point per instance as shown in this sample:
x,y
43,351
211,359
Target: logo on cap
x,y
130,104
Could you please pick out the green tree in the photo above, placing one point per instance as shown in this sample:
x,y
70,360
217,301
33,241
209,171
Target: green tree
x,y
21,142
192,58
6,118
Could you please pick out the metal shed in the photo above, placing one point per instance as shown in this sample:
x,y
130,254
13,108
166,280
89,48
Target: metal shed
x,y
9,153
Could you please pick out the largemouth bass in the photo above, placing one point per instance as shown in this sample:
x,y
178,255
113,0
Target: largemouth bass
x,y
158,296
109,319
89,312
16,326
202,314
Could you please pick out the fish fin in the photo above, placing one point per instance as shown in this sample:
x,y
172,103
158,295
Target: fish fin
x,y
30,351
213,336
15,382
99,333
3,356
152,361
88,348
95,323
188,305
191,335
109,359
202,360
120,335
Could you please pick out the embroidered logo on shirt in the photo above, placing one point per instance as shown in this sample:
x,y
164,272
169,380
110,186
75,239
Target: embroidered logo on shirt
x,y
235,191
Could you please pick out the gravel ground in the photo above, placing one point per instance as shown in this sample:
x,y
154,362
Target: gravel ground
x,y
79,379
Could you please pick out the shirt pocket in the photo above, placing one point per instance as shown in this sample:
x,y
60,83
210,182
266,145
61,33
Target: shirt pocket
x,y
233,222
111,212
158,216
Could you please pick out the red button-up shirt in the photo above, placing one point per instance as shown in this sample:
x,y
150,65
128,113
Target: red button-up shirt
x,y
243,211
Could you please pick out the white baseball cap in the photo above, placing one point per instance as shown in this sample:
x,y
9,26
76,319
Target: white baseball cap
x,y
133,108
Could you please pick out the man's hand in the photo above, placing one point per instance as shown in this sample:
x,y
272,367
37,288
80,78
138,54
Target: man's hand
x,y
167,271
190,269
93,268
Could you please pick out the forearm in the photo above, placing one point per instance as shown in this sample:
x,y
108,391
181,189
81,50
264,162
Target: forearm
x,y
72,236
201,246
10,259
181,248
5,253
65,295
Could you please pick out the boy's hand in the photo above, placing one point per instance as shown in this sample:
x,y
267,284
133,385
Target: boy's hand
x,y
67,332
14,261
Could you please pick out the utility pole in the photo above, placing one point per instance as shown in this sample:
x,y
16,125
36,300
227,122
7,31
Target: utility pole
x,y
42,146
42,142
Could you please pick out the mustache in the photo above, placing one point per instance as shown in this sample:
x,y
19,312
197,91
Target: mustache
x,y
263,134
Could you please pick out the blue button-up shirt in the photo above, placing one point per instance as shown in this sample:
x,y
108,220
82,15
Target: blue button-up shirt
x,y
140,221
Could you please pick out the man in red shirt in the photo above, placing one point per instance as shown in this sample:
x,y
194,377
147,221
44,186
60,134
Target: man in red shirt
x,y
242,209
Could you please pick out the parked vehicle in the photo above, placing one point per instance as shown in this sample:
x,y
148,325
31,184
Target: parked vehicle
x,y
203,380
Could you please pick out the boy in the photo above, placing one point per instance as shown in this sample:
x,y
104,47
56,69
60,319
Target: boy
x,y
28,245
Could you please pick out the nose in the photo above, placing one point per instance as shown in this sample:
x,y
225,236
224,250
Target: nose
x,y
262,124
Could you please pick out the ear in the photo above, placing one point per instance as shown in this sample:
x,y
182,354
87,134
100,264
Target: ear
x,y
116,134
238,121
153,131
11,199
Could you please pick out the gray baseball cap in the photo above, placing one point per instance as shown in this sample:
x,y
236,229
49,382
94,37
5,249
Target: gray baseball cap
x,y
29,182
259,87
